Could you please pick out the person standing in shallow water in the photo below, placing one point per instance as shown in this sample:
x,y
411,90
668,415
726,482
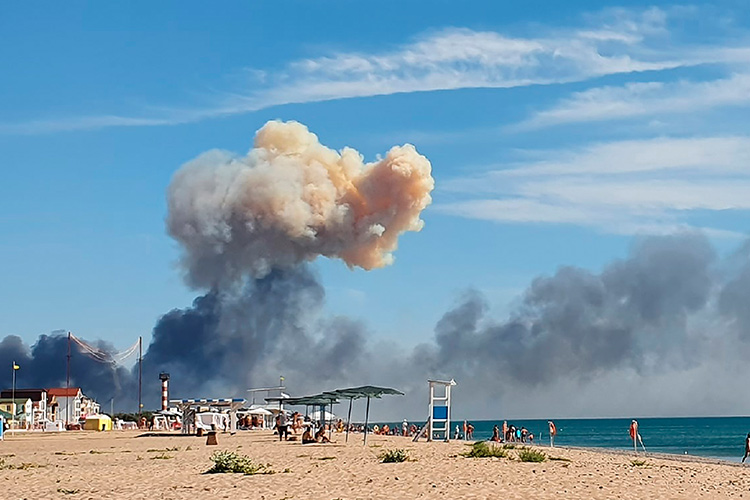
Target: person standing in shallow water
x,y
747,447
552,433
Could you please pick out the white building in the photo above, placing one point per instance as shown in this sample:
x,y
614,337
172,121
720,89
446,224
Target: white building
x,y
69,405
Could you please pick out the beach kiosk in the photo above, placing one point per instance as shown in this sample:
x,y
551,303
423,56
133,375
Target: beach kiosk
x,y
98,423
439,423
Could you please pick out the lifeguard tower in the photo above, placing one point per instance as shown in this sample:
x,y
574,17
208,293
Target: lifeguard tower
x,y
439,424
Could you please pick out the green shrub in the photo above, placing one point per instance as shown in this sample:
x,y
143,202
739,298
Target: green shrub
x,y
391,456
481,449
638,463
229,461
529,455
509,446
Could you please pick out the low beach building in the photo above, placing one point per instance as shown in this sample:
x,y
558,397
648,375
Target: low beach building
x,y
23,409
38,399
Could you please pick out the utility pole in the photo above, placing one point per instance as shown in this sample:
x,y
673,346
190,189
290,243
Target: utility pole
x,y
140,373
13,398
67,387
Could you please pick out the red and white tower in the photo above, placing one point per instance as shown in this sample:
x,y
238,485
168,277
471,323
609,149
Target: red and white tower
x,y
164,377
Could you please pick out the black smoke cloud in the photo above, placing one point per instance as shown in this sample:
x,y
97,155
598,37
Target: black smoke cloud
x,y
44,365
226,342
578,324
670,317
229,341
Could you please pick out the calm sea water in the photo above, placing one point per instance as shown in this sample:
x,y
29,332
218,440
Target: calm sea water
x,y
713,437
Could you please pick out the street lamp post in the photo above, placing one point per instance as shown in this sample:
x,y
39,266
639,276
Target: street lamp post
x,y
13,397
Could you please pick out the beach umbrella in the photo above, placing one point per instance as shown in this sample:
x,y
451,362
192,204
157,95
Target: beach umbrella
x,y
365,391
320,400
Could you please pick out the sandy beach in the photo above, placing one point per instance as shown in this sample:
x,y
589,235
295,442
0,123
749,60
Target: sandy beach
x,y
121,465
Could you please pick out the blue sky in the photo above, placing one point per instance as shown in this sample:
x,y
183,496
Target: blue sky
x,y
557,132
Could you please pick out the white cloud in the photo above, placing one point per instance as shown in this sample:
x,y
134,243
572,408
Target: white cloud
x,y
644,99
626,187
719,154
617,41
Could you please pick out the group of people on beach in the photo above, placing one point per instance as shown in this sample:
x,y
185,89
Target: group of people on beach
x,y
297,424
511,434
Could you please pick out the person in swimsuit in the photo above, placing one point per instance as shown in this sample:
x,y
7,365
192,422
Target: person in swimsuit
x,y
496,434
320,436
307,436
552,433
747,447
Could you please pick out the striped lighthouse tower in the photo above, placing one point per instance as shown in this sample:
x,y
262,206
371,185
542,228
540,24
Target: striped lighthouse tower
x,y
164,377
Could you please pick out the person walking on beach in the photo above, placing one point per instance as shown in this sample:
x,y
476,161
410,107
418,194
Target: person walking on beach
x,y
747,447
552,433
281,425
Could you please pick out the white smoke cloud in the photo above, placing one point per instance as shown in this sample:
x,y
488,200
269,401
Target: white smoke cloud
x,y
289,200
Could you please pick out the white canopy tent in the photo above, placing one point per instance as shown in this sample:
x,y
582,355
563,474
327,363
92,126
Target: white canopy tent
x,y
329,417
189,409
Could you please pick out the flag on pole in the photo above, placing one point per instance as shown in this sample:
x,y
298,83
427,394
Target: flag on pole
x,y
15,366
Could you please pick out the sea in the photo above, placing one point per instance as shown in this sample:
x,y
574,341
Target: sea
x,y
710,437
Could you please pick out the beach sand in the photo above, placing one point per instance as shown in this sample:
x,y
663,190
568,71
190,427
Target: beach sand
x,y
120,465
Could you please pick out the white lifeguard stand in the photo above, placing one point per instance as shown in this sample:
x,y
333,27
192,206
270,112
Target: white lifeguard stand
x,y
439,425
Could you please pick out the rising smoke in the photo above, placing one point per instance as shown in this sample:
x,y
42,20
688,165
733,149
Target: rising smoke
x,y
663,331
290,200
247,227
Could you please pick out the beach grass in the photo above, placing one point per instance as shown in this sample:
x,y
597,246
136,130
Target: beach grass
x,y
394,456
481,449
23,466
530,455
229,461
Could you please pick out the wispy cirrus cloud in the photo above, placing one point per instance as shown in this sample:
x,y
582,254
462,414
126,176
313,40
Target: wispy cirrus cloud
x,y
614,42
621,187
643,99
